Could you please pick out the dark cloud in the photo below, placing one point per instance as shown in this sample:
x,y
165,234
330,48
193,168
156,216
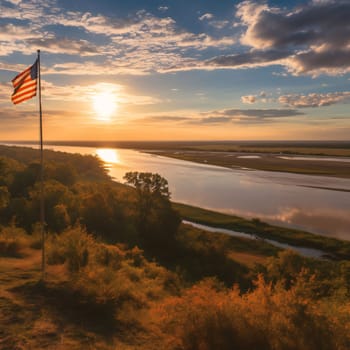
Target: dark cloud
x,y
261,113
333,61
316,23
245,116
226,116
213,120
247,59
164,118
312,39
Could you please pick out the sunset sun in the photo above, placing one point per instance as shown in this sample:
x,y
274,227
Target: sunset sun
x,y
104,104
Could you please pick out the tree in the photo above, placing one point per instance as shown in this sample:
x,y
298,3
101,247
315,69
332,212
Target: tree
x,y
102,212
157,221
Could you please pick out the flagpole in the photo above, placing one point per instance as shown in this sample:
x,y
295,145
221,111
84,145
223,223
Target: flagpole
x,y
42,208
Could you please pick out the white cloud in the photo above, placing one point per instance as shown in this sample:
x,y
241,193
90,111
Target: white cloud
x,y
314,99
138,44
163,8
209,18
206,16
248,99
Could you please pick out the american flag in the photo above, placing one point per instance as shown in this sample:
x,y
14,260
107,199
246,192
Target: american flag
x,y
25,84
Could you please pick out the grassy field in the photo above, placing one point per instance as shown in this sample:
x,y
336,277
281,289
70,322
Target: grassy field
x,y
337,248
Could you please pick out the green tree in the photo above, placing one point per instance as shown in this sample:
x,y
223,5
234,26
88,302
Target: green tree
x,y
24,180
157,221
102,212
57,201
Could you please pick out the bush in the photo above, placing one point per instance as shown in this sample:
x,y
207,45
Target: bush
x,y
13,241
72,247
110,276
266,318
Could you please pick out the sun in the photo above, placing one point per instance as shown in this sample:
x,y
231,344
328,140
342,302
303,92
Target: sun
x,y
104,104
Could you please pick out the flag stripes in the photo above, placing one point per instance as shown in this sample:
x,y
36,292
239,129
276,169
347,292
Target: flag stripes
x,y
25,84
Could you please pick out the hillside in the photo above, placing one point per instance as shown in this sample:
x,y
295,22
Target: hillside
x,y
124,273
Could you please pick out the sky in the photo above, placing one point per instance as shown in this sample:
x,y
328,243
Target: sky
x,y
178,70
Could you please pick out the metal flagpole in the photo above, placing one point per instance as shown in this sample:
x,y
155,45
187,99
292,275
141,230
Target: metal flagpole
x,y
42,209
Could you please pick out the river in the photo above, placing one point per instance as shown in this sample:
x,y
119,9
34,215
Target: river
x,y
316,204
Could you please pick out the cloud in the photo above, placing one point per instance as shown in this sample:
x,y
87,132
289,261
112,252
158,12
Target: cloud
x,y
66,46
219,24
213,120
245,116
314,100
311,39
209,18
86,92
225,116
317,35
163,8
140,43
261,97
10,31
260,113
63,94
248,99
248,59
163,118
206,16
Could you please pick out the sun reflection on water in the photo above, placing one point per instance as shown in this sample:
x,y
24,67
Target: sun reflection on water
x,y
108,155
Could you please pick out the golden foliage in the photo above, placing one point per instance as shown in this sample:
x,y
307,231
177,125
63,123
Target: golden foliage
x,y
268,317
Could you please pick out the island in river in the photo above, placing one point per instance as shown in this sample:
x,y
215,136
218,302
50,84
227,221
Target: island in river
x,y
324,158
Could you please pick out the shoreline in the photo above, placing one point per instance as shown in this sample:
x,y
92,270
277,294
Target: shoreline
x,y
334,248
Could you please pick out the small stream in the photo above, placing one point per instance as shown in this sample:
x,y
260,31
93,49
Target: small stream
x,y
307,252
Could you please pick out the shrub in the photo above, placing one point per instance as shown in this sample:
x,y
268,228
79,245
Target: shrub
x,y
269,317
109,276
13,241
72,246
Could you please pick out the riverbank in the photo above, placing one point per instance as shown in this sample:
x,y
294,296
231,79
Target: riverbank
x,y
334,248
